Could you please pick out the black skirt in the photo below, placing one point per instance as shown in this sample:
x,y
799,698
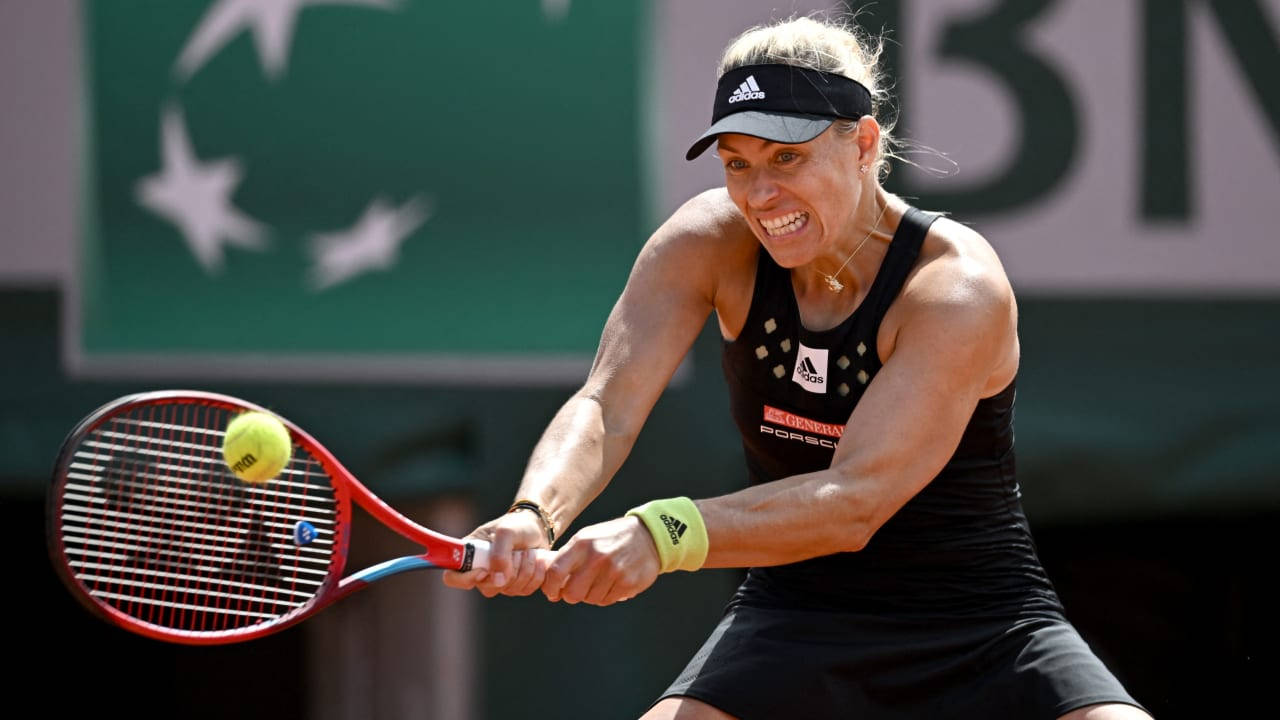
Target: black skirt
x,y
769,661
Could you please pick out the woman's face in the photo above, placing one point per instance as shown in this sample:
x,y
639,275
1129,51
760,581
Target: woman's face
x,y
799,199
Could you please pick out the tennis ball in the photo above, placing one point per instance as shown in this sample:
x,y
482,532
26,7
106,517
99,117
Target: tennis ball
x,y
256,446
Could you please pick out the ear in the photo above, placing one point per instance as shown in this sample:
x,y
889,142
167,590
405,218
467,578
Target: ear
x,y
868,139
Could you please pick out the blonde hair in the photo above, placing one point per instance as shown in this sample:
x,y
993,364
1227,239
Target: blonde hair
x,y
835,46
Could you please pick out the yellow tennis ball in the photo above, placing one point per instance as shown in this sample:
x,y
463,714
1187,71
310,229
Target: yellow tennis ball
x,y
256,446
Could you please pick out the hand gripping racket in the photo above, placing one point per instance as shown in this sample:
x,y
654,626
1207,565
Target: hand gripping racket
x,y
149,528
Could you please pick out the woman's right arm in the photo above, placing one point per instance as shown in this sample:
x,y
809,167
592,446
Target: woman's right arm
x,y
669,294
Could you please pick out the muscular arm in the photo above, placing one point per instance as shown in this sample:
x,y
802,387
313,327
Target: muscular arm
x,y
664,306
956,333
949,340
673,286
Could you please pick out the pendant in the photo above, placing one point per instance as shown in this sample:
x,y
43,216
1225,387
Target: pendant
x,y
833,284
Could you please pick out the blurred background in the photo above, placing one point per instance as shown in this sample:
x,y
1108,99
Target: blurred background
x,y
402,225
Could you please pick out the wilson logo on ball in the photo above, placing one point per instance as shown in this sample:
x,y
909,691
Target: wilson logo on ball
x,y
244,463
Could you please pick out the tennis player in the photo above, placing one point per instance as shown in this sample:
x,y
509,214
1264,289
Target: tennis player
x,y
871,352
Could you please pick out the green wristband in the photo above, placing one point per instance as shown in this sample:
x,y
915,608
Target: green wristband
x,y
677,530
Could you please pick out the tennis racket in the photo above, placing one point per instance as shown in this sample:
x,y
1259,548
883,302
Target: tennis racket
x,y
149,528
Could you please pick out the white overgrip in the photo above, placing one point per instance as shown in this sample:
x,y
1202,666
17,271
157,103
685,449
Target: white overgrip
x,y
480,555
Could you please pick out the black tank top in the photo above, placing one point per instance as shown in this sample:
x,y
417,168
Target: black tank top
x,y
962,544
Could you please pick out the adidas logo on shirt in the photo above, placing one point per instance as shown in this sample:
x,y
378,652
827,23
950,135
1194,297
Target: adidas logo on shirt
x,y
811,369
748,90
675,528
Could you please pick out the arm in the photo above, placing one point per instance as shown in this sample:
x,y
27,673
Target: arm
x,y
663,307
953,336
661,310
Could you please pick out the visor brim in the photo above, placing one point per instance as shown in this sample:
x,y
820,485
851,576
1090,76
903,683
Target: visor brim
x,y
773,126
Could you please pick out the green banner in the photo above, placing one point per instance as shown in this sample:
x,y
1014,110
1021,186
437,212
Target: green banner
x,y
358,188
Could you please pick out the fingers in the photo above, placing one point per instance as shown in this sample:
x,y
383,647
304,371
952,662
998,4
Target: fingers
x,y
464,580
468,580
529,574
599,585
560,571
598,593
592,579
514,569
577,585
500,557
603,564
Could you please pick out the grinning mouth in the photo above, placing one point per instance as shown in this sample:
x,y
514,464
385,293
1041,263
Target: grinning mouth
x,y
785,224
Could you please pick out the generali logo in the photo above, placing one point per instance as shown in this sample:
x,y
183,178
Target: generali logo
x,y
778,416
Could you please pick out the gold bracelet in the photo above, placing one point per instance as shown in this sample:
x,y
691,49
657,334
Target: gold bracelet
x,y
542,515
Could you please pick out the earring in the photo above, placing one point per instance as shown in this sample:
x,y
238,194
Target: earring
x,y
864,169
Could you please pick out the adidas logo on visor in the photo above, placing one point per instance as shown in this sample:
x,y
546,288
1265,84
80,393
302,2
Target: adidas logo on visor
x,y
748,90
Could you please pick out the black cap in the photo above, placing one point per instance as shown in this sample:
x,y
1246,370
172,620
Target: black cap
x,y
782,103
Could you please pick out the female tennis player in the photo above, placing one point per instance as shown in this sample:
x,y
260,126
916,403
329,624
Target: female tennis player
x,y
871,352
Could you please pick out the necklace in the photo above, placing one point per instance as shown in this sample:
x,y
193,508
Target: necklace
x,y
835,285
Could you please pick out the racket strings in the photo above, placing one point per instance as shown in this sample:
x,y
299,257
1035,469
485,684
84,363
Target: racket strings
x,y
155,526
191,494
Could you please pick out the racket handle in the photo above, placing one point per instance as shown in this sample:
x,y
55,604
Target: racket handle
x,y
480,559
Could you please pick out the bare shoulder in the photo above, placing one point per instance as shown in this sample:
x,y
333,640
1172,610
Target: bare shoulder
x,y
959,295
676,281
709,220
706,242
959,272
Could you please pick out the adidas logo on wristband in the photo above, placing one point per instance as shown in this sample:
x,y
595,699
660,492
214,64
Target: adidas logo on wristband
x,y
681,540
675,528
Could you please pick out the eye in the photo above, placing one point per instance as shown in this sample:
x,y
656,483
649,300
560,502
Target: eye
x,y
787,156
735,164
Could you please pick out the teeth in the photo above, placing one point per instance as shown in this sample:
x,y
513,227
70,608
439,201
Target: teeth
x,y
784,224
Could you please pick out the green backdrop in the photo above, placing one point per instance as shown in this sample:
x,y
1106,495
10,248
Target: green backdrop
x,y
534,213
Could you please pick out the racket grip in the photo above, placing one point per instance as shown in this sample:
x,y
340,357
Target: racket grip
x,y
480,557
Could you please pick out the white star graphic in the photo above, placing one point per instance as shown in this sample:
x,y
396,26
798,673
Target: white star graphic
x,y
373,243
272,22
196,196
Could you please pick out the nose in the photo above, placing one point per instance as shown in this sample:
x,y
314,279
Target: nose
x,y
763,190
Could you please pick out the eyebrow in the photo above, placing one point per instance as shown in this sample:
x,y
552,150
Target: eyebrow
x,y
722,145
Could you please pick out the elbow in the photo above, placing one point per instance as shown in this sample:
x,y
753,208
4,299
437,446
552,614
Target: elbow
x,y
854,537
857,538
844,529
848,533
856,519
617,421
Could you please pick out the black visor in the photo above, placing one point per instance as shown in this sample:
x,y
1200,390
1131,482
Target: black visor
x,y
781,103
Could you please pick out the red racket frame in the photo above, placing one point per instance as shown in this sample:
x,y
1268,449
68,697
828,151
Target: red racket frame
x,y
442,551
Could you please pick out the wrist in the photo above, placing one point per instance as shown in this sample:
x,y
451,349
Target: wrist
x,y
678,532
544,518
